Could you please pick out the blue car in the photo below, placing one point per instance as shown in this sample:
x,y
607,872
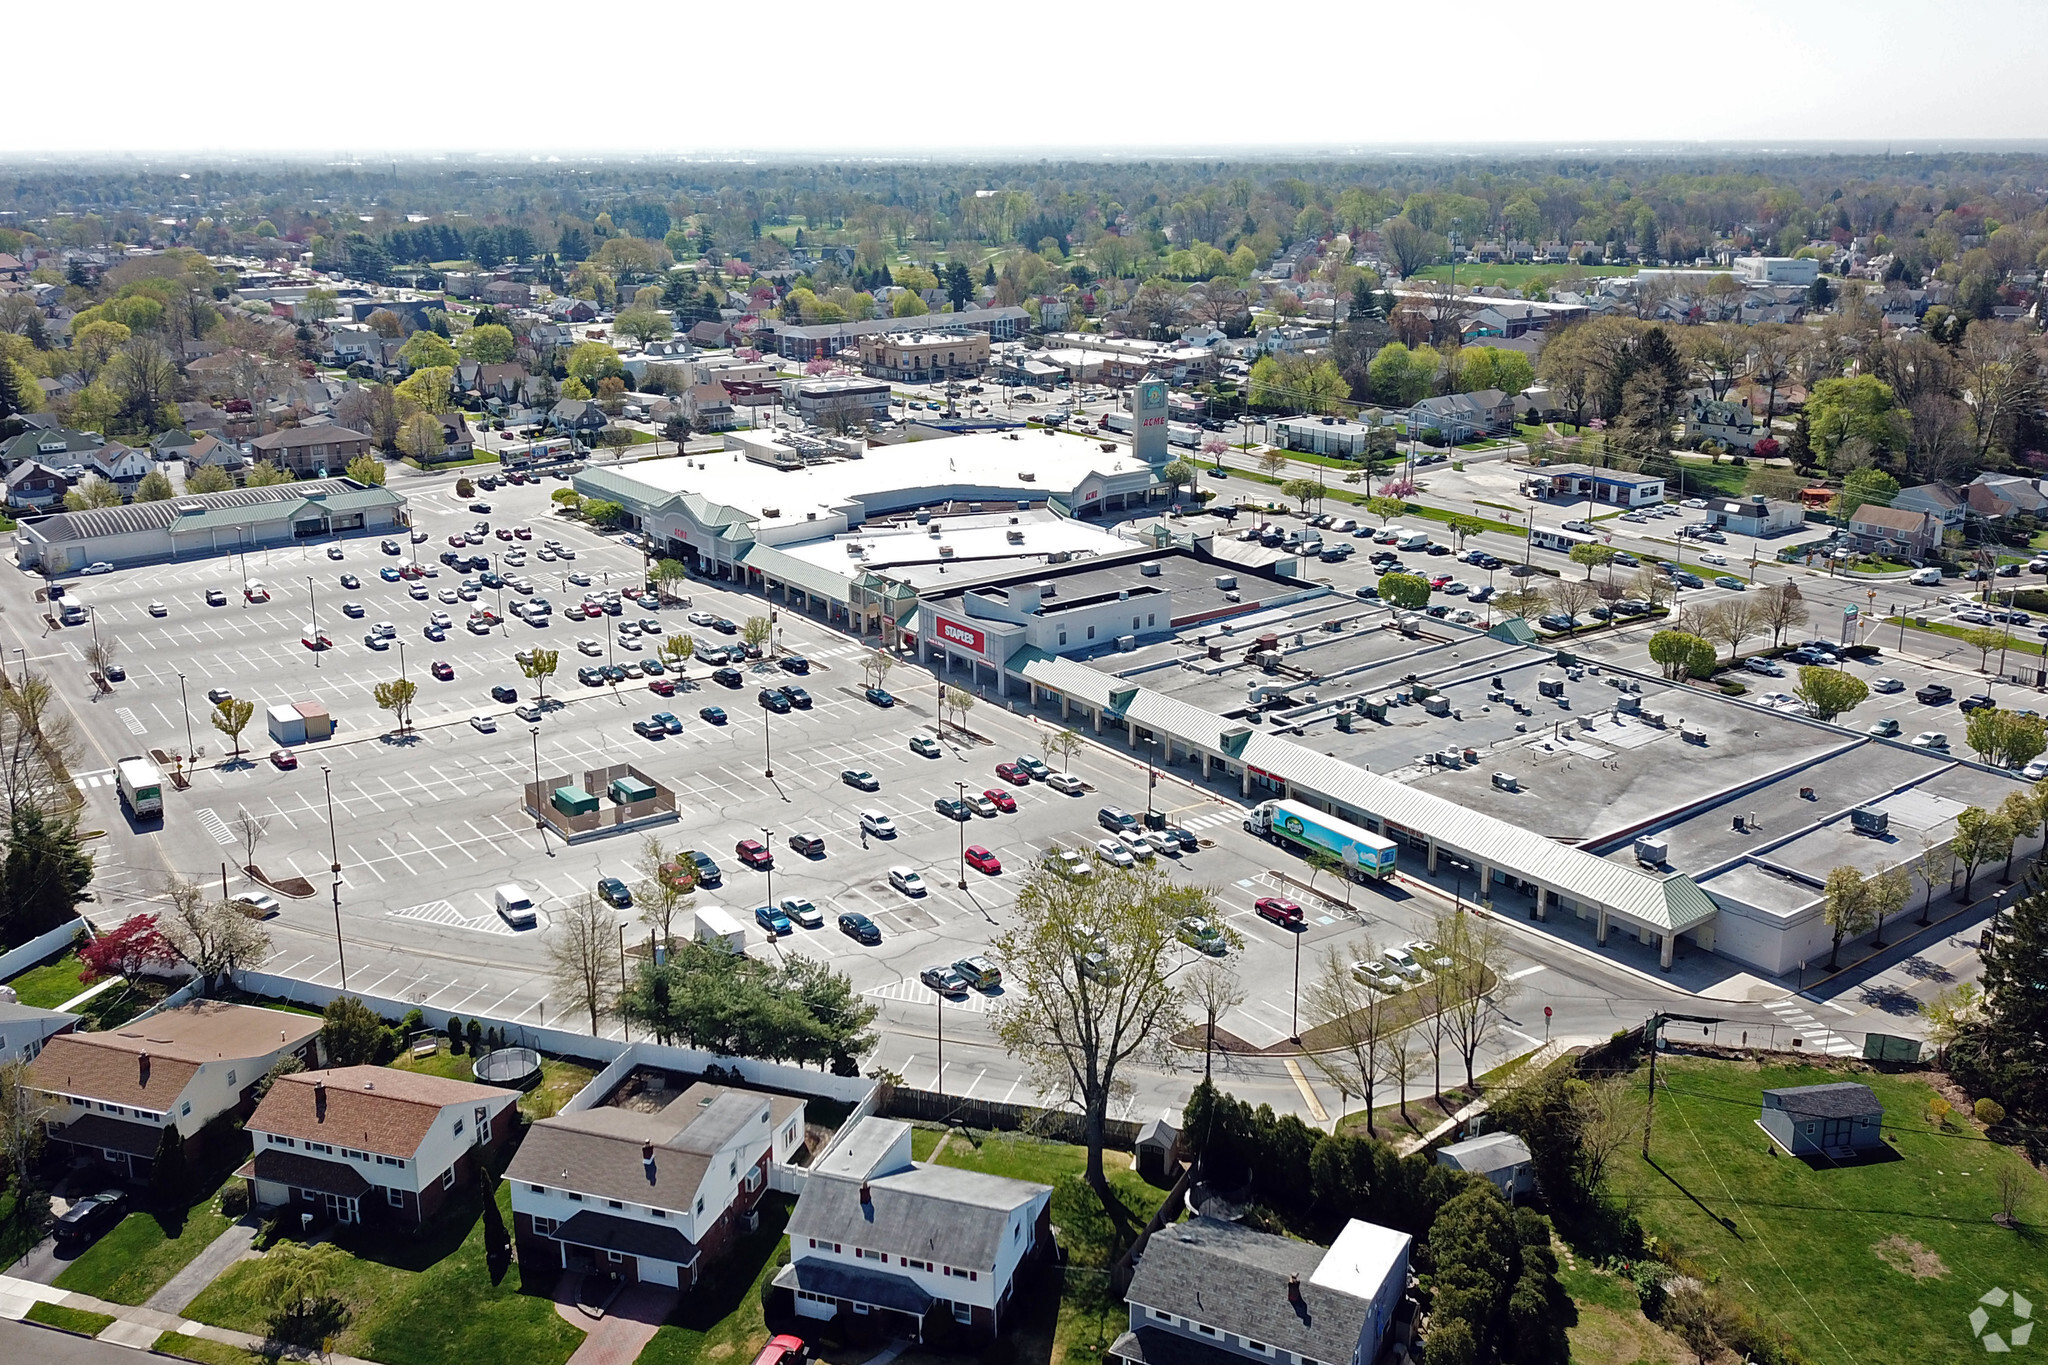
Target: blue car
x,y
388,574
669,721
772,919
714,714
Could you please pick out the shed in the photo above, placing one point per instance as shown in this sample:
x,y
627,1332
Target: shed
x,y
319,724
1502,1158
286,725
628,789
1157,1142
574,801
1841,1118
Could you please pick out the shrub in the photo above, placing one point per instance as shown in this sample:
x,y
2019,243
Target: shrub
x,y
234,1199
464,488
1938,1109
455,1035
1989,1112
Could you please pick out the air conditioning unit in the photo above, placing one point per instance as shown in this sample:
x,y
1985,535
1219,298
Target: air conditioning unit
x,y
1652,851
1151,569
1507,782
1864,820
1126,643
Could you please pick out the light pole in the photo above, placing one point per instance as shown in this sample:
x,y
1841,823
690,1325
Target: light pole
x,y
312,605
185,703
768,842
767,746
539,822
962,797
334,870
1151,776
1294,1002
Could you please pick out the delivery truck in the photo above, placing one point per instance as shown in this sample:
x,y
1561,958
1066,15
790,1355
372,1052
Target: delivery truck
x,y
720,930
1306,830
141,787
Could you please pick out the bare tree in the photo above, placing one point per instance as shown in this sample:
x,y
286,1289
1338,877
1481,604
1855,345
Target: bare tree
x,y
1213,991
22,1111
1404,1064
2000,371
1730,623
2011,1184
875,666
102,652
1780,608
1574,595
250,829
39,746
1472,989
1605,1119
663,889
212,935
583,956
1360,1024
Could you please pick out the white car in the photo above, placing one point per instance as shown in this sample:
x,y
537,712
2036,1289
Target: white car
x,y
440,618
1694,503
376,641
419,592
1403,961
97,566
1114,853
257,904
447,595
906,880
1931,739
158,609
2035,771
1134,843
565,552
581,580
1071,862
1719,561
1377,975
1769,668
1778,699
484,724
545,554
703,618
1162,842
589,646
1886,685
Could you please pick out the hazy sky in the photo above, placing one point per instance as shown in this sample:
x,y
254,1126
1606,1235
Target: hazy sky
x,y
229,75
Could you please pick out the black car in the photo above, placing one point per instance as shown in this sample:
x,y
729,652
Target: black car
x,y
612,891
1934,694
879,697
859,928
724,627
727,677
1439,549
772,698
490,579
614,673
649,729
503,693
798,698
90,1216
1980,702
707,871
795,663
1185,838
590,677
953,808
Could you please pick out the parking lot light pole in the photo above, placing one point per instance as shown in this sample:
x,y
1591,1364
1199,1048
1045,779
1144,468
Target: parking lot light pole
x,y
768,842
539,821
334,870
767,747
185,703
962,786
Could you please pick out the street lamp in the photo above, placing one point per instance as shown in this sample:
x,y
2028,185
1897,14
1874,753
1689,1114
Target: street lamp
x,y
961,795
539,822
767,746
768,842
334,870
184,702
312,605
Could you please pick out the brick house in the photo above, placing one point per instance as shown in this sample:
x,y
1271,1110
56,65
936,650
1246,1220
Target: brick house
x,y
365,1144
311,450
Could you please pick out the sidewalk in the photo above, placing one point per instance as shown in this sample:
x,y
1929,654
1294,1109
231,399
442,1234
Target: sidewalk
x,y
138,1328
205,1268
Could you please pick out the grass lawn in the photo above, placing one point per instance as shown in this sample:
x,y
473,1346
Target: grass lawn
x,y
922,1141
1514,276
1611,1329
1956,632
425,1300
559,1080
721,1319
205,1350
79,1320
1695,477
1879,1261
1484,443
144,1250
16,1235
51,984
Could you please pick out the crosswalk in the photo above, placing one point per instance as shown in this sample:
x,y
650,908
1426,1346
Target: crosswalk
x,y
217,827
82,781
1223,817
444,912
1792,1011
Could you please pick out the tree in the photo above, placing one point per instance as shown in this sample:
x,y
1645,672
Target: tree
x,y
249,830
127,949
1474,988
397,697
583,956
908,305
1780,608
23,1115
1829,692
754,630
1303,491
961,702
386,324
1176,474
1997,1049
602,512
678,649
93,492
1981,837
263,473
1592,555
1861,408
1846,908
1359,1022
1984,639
592,362
1522,602
212,935
1077,1029
423,349
540,665
662,890
1951,1011
1889,891
490,344
351,1034
1461,527
1682,655
155,487
231,717
294,1278
430,390
2005,737
668,573
1574,596
1063,745
1407,591
1698,1316
875,666
1386,509
209,478
44,875
2023,812
1271,461
1213,991
421,436
1863,486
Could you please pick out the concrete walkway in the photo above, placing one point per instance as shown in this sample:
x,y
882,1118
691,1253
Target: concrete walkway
x,y
627,1326
205,1268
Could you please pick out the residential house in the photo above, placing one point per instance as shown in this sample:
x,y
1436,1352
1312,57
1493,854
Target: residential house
x,y
2004,495
1464,416
349,346
573,310
311,450
1502,1158
1731,423
710,333
649,1196
366,1144
33,485
1938,500
58,447
1207,1292
24,1029
456,441
1895,532
876,1235
708,407
113,1094
1839,1118
171,445
1755,515
500,382
120,465
207,451
577,415
506,293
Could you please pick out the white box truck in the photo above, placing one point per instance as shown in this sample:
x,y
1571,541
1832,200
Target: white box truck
x,y
141,787
721,930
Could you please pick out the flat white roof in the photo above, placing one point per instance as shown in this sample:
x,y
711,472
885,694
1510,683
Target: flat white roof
x,y
971,538
1360,1260
977,465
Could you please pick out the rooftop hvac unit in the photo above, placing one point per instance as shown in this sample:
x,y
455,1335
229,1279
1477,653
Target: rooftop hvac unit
x,y
1692,735
1550,687
1015,537
1150,570
1451,758
1507,782
1628,706
945,552
1652,850
1226,580
1059,556
1437,706
1865,820
1232,597
1126,643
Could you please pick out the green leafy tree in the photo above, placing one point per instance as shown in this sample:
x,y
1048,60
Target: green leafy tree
x,y
668,573
44,874
1592,556
1682,655
1981,837
1998,1038
1303,491
368,469
490,344
423,349
208,478
428,390
642,325
593,362
1177,474
540,665
296,1279
1386,509
155,487
1846,908
93,492
1407,591
1830,691
263,473
2006,738
603,513
421,436
231,717
351,1034
1861,486
397,697
754,630
1460,528
1861,408
908,305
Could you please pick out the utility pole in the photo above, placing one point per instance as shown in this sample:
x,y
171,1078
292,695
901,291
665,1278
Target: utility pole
x,y
334,871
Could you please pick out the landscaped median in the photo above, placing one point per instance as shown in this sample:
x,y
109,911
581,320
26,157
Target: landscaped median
x,y
2011,644
80,1320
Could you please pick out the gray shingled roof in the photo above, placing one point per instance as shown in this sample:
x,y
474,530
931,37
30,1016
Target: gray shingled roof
x,y
1235,1280
932,1213
834,1281
154,516
1836,1100
1485,1154
597,1151
630,1236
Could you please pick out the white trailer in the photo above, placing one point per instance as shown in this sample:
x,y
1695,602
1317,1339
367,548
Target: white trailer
x,y
720,930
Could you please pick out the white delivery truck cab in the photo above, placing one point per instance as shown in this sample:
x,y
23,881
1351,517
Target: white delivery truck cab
x,y
720,930
515,906
141,787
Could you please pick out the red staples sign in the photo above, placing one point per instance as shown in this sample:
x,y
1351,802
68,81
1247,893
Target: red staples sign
x,y
967,637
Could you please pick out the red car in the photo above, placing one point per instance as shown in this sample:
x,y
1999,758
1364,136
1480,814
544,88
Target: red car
x,y
312,641
782,1350
662,687
1282,912
503,533
1013,775
1437,581
285,759
753,853
1001,800
981,860
458,540
522,533
443,669
412,571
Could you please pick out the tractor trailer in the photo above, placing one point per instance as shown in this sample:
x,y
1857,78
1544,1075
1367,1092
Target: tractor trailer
x,y
1307,830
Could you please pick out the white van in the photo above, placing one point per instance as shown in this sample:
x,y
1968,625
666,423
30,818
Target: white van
x,y
1926,578
1387,535
515,907
384,630
1413,540
878,824
1584,528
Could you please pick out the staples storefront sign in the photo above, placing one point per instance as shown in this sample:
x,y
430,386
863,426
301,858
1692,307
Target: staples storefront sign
x,y
962,637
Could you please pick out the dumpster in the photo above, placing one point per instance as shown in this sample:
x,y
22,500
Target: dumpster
x,y
626,790
287,726
319,725
574,801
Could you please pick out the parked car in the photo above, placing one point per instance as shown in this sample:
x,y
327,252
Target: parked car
x,y
944,979
859,928
925,745
1284,913
89,1217
802,912
614,892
